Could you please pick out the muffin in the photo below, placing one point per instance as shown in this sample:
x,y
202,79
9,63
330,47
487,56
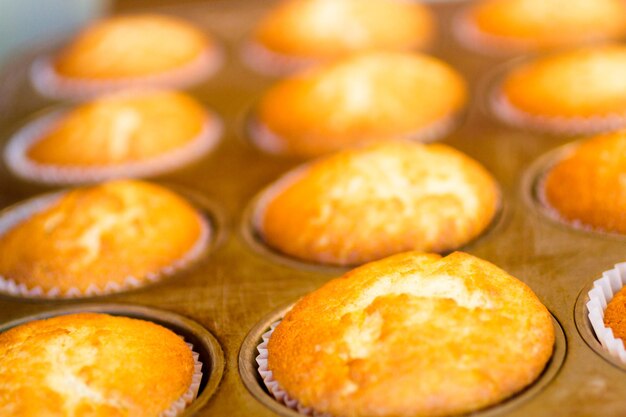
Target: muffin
x,y
412,335
364,98
523,25
129,134
94,364
606,312
364,204
300,33
578,91
123,51
586,188
96,240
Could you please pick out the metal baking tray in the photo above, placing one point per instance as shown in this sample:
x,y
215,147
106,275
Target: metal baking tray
x,y
238,286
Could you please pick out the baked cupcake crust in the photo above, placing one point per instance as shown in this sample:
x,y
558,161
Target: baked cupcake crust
x,y
587,188
319,30
542,24
120,129
364,98
92,364
364,204
412,335
576,85
132,46
102,235
615,314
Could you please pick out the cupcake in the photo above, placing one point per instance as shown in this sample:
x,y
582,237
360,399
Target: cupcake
x,y
129,134
586,188
578,91
128,51
364,98
95,364
97,240
606,308
410,335
523,25
297,33
364,204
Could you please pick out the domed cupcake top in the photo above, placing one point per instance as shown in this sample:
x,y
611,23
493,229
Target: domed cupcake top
x,y
587,187
542,24
365,204
318,30
364,98
131,46
92,364
97,239
412,334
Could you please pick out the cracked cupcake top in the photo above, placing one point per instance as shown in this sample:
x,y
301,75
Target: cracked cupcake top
x,y
412,335
99,235
92,364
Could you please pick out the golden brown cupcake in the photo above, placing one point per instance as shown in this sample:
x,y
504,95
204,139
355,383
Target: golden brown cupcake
x,y
615,314
92,364
128,50
514,25
587,187
298,33
119,135
412,335
364,204
365,98
98,239
582,90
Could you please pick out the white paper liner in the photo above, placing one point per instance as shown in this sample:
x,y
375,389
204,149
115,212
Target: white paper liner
x,y
569,126
16,156
273,386
22,211
51,84
192,392
602,293
270,63
268,141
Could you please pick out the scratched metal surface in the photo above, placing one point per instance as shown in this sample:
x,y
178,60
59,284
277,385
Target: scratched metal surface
x,y
235,286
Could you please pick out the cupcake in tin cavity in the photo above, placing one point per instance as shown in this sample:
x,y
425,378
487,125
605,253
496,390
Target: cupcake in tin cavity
x,y
513,26
586,188
102,239
297,34
410,335
364,98
577,91
607,311
126,134
364,204
96,364
128,51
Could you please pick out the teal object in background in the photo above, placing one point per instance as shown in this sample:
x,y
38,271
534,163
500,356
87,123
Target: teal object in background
x,y
27,22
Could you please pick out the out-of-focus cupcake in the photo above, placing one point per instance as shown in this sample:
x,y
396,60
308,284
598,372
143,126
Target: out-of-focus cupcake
x,y
364,204
96,364
128,51
509,26
577,91
97,240
128,134
410,335
364,98
300,33
587,188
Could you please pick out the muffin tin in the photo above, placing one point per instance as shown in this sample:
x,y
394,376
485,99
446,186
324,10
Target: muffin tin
x,y
236,284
